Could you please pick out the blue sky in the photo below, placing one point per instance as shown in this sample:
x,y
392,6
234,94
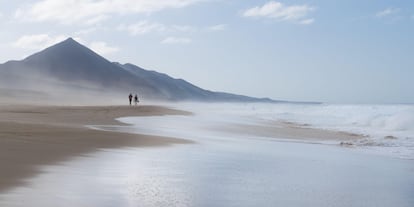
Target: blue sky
x,y
345,51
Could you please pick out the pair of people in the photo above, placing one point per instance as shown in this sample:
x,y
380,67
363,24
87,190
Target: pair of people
x,y
135,99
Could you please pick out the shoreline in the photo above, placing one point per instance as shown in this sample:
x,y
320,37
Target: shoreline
x,y
49,155
33,136
293,131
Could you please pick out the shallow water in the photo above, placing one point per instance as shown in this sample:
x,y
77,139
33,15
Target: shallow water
x,y
222,174
389,128
220,170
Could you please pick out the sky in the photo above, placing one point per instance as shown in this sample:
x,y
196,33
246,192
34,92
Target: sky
x,y
347,51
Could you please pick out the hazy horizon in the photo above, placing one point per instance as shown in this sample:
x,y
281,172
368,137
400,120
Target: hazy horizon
x,y
309,50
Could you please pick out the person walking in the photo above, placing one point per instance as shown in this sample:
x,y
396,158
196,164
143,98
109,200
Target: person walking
x,y
130,99
136,99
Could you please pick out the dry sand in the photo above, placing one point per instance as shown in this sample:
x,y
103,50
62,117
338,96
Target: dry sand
x,y
32,136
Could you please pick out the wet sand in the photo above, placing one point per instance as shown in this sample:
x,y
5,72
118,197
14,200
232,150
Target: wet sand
x,y
33,136
49,157
290,130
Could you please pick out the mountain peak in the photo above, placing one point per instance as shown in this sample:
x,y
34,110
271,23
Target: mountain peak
x,y
67,50
68,42
70,39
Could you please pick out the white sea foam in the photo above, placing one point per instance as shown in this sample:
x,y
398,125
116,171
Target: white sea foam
x,y
389,128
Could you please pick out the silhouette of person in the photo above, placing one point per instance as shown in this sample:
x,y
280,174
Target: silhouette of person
x,y
130,99
136,99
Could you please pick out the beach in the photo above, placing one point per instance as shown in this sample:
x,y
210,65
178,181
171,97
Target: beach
x,y
32,136
203,103
38,135
187,155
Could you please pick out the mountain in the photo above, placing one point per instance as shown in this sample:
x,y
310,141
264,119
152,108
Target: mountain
x,y
70,66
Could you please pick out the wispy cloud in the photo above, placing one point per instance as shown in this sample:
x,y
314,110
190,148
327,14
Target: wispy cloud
x,y
170,33
307,21
146,27
37,41
42,41
218,27
86,31
280,12
388,12
93,11
142,27
182,28
99,47
391,15
176,40
103,48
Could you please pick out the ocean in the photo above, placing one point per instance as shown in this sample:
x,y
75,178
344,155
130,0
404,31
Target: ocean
x,y
388,129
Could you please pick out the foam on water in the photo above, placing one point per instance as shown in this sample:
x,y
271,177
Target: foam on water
x,y
389,128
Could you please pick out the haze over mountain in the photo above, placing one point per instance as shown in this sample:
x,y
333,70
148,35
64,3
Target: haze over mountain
x,y
71,69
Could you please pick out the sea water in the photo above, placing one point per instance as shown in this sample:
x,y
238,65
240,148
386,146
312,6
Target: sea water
x,y
389,129
222,173
223,168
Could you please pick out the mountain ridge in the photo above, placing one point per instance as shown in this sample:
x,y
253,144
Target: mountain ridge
x,y
74,65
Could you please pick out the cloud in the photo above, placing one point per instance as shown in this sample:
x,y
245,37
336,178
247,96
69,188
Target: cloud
x,y
280,12
146,27
307,21
176,40
388,12
218,27
42,41
99,47
37,41
391,15
86,31
182,28
142,27
102,48
93,11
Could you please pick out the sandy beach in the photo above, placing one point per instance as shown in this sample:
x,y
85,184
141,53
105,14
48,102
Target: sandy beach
x,y
50,153
31,136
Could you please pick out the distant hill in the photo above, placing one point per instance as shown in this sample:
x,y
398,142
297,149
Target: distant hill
x,y
70,66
